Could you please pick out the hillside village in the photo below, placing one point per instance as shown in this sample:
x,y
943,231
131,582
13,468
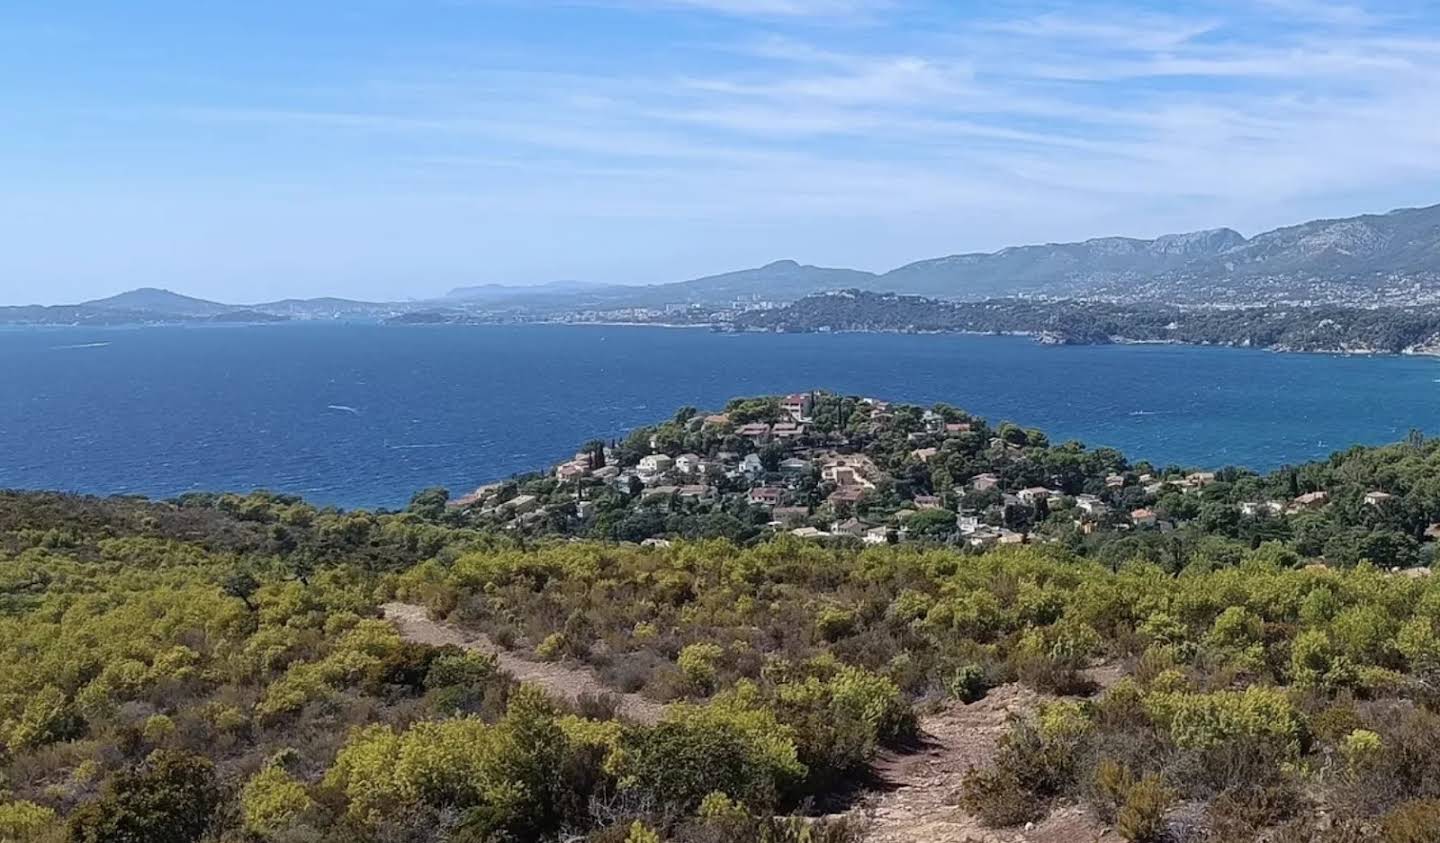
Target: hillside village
x,y
854,469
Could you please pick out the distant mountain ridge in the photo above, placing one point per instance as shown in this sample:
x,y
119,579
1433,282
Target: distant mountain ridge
x,y
1370,260
488,292
1054,266
1365,260
784,279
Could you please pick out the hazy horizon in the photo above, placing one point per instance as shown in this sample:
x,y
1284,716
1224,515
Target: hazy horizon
x,y
389,150
570,281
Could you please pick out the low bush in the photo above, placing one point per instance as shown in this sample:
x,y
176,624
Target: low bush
x,y
999,800
1141,816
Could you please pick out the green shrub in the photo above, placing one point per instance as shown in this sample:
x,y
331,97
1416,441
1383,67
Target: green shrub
x,y
552,648
47,718
997,798
1112,784
698,663
504,775
1141,819
1199,721
170,798
839,722
273,802
460,669
640,834
1037,761
833,623
966,683
733,745
22,821
1360,748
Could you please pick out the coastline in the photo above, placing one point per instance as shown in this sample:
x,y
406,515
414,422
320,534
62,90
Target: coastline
x,y
1040,337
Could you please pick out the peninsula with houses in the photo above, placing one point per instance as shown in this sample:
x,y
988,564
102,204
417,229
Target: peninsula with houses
x,y
861,470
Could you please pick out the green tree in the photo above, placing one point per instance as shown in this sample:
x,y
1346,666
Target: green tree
x,y
170,798
242,585
429,503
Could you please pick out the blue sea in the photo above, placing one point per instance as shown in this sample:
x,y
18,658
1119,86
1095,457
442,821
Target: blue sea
x,y
363,415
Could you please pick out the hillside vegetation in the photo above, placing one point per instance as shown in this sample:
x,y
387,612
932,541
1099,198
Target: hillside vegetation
x,y
216,668
1314,328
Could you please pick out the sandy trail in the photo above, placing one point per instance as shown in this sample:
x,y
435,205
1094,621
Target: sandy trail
x,y
919,793
558,680
918,797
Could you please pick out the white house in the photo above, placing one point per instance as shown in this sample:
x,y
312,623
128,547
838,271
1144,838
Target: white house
x,y
809,533
1254,508
877,535
1378,498
985,482
519,504
656,464
1034,494
797,406
766,496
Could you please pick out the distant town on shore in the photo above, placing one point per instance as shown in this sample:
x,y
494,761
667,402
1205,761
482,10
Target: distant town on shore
x,y
1365,285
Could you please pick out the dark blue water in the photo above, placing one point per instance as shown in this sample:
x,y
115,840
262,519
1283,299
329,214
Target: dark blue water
x,y
359,415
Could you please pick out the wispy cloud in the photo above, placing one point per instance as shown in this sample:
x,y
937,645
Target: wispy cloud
x,y
1324,11
1128,32
766,8
1108,105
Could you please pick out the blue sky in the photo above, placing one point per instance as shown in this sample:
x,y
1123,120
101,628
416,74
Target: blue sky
x,y
397,148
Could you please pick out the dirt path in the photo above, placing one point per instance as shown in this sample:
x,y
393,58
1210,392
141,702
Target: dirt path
x,y
557,680
919,795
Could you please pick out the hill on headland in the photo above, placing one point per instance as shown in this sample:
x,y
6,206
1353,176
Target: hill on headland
x,y
154,300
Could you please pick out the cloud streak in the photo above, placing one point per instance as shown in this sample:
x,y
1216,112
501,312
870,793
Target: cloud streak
x,y
1108,109
797,9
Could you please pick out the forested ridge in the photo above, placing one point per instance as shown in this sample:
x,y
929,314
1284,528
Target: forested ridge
x,y
1322,328
216,668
